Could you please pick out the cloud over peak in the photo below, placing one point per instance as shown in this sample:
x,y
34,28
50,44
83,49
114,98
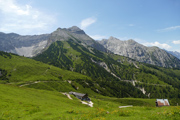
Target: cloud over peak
x,y
87,22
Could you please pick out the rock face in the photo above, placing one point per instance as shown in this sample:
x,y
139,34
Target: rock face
x,y
76,34
27,45
134,50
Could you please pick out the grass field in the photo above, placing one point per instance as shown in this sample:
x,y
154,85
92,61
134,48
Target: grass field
x,y
21,69
32,104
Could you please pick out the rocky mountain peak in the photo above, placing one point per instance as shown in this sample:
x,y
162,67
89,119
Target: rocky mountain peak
x,y
134,50
75,29
131,42
113,38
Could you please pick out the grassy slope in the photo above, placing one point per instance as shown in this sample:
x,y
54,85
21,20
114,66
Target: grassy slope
x,y
35,74
24,69
27,103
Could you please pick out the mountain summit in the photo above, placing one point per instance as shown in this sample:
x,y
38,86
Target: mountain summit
x,y
75,29
76,34
134,50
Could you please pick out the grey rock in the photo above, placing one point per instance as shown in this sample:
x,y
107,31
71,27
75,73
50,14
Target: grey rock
x,y
28,45
134,50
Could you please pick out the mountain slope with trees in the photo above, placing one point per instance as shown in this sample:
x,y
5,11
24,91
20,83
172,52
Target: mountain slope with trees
x,y
26,72
111,70
95,69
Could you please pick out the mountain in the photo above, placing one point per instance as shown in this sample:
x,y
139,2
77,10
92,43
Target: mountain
x,y
25,72
112,75
31,45
28,45
175,53
141,53
106,73
76,34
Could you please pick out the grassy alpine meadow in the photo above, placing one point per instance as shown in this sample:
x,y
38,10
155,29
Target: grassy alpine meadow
x,y
32,104
22,69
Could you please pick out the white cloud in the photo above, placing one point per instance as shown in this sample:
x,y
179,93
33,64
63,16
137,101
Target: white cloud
x,y
169,29
176,42
87,22
23,19
98,37
163,45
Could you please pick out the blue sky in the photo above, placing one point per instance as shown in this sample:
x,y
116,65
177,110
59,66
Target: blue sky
x,y
149,22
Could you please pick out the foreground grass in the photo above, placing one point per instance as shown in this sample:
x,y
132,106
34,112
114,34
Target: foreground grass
x,y
32,104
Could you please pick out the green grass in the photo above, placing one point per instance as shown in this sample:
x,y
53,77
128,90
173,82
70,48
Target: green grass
x,y
24,69
32,104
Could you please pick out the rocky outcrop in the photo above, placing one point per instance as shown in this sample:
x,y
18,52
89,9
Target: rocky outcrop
x,y
28,45
141,53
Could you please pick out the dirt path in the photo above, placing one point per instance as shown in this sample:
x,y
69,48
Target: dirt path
x,y
32,83
125,106
88,103
67,95
35,82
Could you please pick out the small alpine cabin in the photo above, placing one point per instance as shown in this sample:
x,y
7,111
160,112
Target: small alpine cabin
x,y
80,96
162,102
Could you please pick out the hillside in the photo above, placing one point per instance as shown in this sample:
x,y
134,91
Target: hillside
x,y
93,71
141,53
26,72
113,72
27,103
15,68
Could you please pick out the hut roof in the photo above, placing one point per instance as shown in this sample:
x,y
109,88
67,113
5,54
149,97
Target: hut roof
x,y
77,94
162,102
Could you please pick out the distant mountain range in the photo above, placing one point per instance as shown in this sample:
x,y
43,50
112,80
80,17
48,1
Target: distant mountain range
x,y
32,45
175,53
141,53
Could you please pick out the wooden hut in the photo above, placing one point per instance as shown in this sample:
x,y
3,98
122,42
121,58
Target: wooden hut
x,y
162,102
80,96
